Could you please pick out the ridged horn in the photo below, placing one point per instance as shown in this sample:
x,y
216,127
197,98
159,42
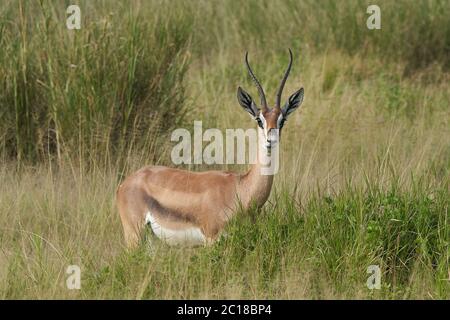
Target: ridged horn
x,y
258,85
283,81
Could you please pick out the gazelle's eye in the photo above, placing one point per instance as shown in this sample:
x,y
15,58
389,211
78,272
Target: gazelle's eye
x,y
260,124
281,121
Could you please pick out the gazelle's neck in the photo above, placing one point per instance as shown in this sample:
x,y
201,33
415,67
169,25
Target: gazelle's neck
x,y
254,186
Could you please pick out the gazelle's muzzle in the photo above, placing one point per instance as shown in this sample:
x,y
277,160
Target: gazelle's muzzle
x,y
272,138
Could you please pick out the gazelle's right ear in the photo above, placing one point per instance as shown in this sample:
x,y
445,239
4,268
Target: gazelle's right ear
x,y
246,101
294,101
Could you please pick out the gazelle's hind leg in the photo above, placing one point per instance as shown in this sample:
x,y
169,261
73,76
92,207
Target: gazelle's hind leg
x,y
132,235
132,216
150,240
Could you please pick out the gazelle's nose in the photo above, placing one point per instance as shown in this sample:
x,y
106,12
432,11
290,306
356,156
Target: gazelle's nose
x,y
272,136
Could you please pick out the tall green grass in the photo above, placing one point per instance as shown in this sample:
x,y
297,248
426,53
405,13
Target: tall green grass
x,y
114,85
104,90
416,33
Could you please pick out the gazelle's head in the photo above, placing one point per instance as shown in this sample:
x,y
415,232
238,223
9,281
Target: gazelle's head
x,y
270,120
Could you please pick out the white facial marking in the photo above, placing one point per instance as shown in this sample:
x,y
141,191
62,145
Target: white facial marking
x,y
280,118
188,237
264,122
264,128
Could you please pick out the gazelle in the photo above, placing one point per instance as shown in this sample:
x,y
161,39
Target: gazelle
x,y
192,208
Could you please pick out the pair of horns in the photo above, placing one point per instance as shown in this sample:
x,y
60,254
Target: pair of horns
x,y
259,87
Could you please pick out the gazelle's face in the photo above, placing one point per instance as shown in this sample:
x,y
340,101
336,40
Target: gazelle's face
x,y
270,120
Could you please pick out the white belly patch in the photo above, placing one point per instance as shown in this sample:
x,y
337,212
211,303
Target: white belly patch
x,y
189,237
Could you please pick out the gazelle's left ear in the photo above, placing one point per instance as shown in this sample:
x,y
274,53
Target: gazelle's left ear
x,y
293,102
246,102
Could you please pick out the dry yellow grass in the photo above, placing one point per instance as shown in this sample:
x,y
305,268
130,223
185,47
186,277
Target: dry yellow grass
x,y
365,163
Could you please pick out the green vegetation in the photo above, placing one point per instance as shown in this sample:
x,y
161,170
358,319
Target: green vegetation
x,y
365,163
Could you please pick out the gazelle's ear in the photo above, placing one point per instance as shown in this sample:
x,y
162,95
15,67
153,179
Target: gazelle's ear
x,y
246,101
293,103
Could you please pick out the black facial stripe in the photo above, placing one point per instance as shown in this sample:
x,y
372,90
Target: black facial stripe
x,y
260,124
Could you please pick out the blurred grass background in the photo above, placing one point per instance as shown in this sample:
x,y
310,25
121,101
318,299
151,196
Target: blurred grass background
x,y
365,163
